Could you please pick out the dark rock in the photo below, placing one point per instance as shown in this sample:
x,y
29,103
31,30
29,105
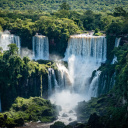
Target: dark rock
x,y
101,100
59,108
64,115
68,126
79,125
58,124
5,117
73,123
70,119
19,122
30,118
24,107
47,112
94,121
70,111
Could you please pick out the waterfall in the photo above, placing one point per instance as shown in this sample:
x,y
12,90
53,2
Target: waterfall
x,y
40,47
84,54
6,39
64,79
88,47
52,82
93,89
63,82
117,43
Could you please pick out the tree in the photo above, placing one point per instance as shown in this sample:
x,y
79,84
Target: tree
x,y
119,11
1,29
96,30
114,29
13,49
1,49
65,6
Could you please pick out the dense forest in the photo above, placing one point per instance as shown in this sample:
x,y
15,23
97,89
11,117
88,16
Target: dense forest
x,y
52,5
58,26
22,77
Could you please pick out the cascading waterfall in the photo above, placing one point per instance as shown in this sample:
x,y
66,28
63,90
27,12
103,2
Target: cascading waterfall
x,y
64,79
92,92
6,39
84,54
106,82
16,39
117,43
88,47
63,82
52,82
40,47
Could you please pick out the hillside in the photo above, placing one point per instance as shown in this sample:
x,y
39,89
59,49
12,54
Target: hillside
x,y
52,5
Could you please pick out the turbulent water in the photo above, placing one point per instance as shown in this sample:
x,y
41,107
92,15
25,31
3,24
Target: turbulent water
x,y
84,54
117,43
40,47
7,38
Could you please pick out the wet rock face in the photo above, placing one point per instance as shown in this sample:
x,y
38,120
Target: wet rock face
x,y
124,40
47,112
5,121
94,121
19,121
64,115
58,124
70,111
70,119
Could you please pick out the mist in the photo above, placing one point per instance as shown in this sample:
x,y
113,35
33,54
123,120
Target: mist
x,y
25,52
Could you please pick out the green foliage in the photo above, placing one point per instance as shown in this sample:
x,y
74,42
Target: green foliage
x,y
52,5
106,79
122,71
32,109
7,122
112,107
21,77
114,29
97,33
111,112
58,124
96,30
13,49
65,6
1,29
59,25
58,31
119,11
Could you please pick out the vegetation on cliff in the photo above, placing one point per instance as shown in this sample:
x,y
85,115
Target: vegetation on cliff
x,y
32,109
110,109
21,77
59,25
25,78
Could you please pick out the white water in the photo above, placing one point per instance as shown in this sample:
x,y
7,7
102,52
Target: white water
x,y
84,55
92,92
40,47
52,82
7,38
25,52
117,43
